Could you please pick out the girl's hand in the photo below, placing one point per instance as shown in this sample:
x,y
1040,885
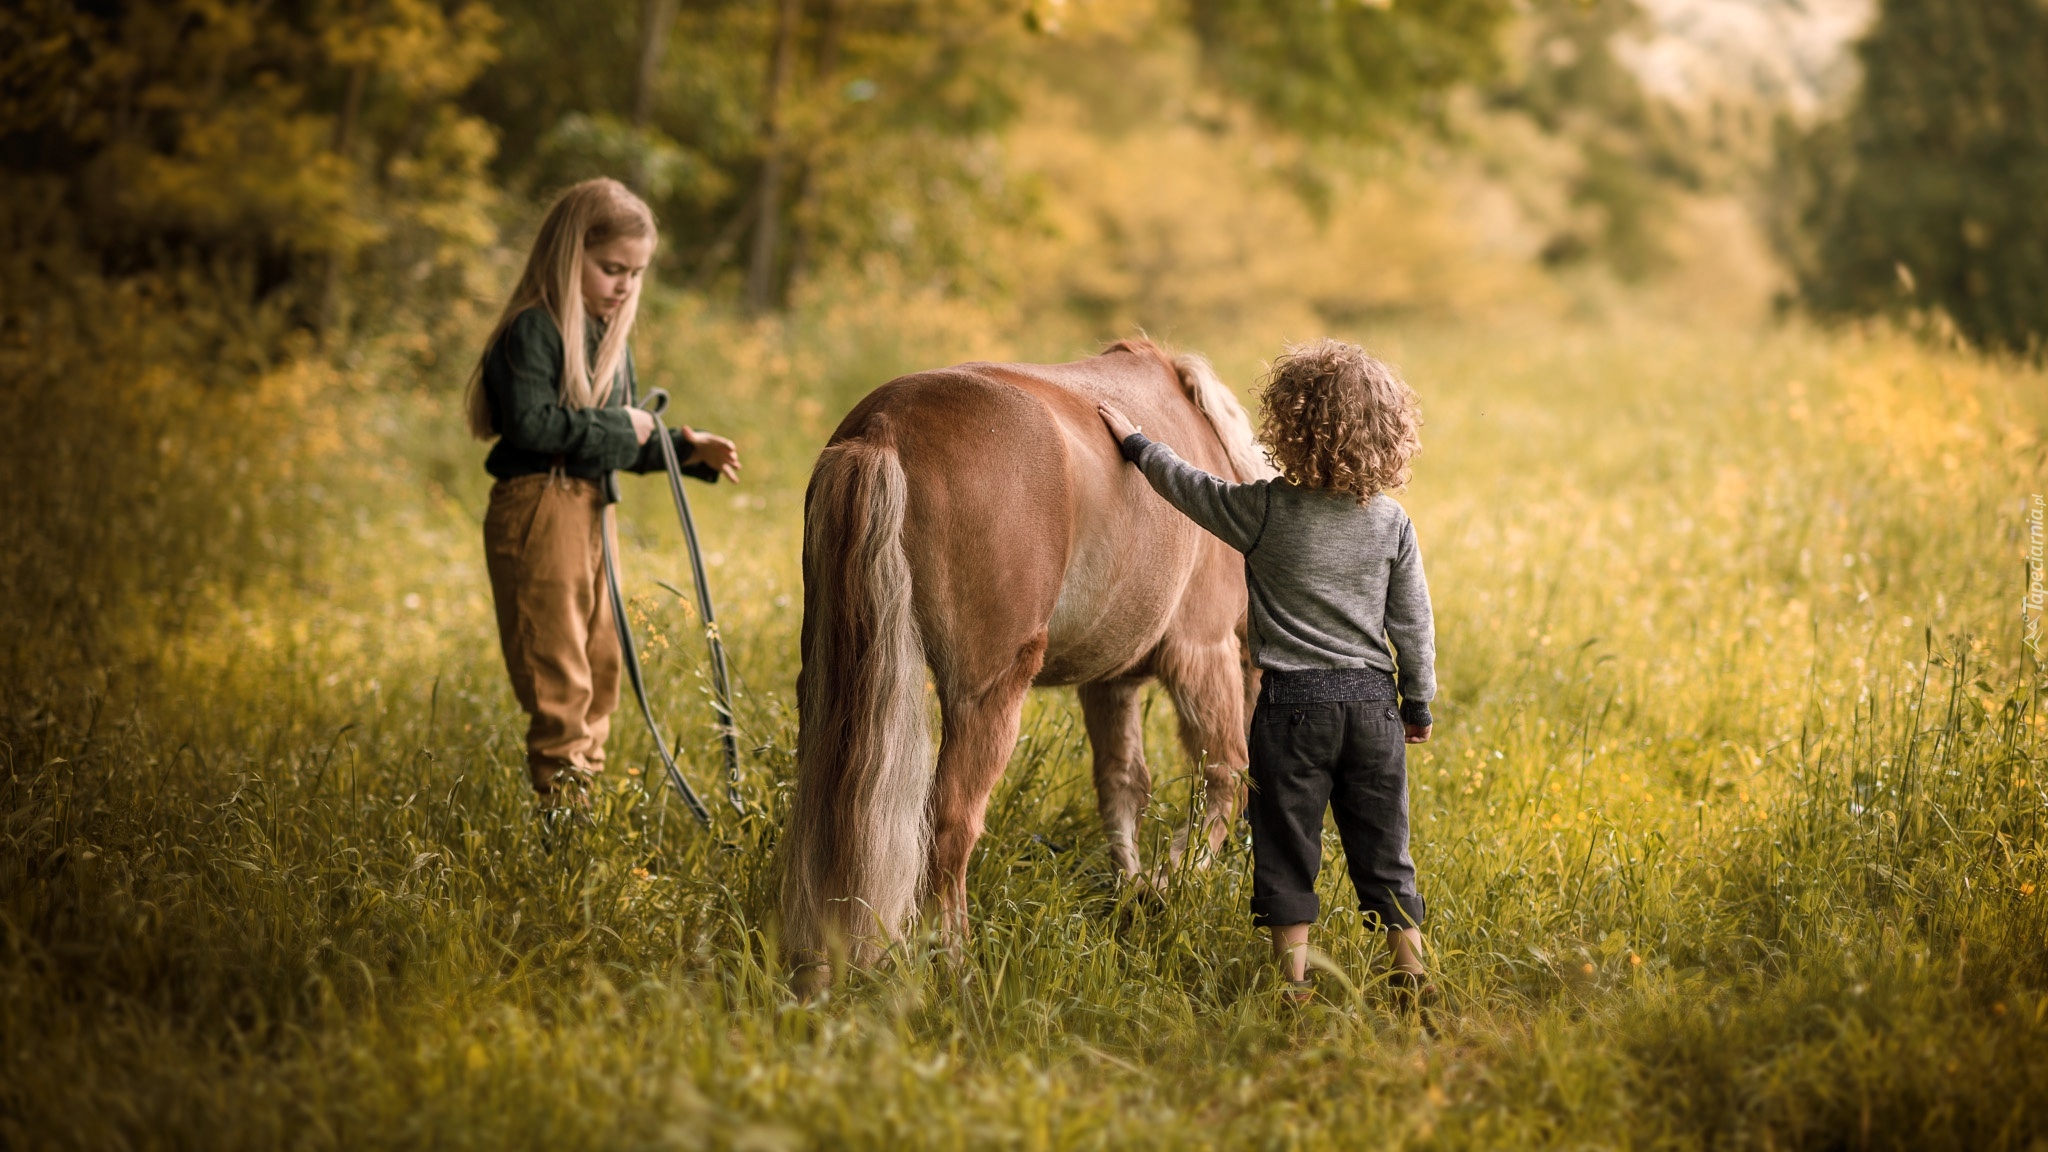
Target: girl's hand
x,y
717,451
1120,425
643,423
1415,733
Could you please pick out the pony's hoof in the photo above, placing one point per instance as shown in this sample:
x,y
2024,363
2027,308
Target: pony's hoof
x,y
1160,879
1147,888
808,977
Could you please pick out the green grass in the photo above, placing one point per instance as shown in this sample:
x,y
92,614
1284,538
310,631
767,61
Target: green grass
x,y
1731,830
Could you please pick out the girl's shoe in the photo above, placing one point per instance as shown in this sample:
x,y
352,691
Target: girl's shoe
x,y
1297,991
1411,989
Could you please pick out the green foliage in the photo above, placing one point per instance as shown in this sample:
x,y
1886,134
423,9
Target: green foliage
x,y
173,443
1632,156
1933,197
311,147
885,122
358,160
1348,67
579,147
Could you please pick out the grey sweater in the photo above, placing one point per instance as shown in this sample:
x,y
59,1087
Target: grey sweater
x,y
1333,584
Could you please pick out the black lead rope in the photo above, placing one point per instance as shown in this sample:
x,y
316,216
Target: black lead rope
x,y
721,684
632,657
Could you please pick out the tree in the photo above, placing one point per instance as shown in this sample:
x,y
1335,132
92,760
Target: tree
x,y
1633,153
292,145
770,137
1347,67
1947,172
761,267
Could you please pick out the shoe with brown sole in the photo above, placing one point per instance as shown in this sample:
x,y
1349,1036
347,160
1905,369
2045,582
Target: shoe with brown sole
x,y
1411,989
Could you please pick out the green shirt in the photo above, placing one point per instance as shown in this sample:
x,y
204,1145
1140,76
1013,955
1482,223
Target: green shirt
x,y
522,379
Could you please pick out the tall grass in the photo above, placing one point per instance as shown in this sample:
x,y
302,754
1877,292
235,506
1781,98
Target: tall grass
x,y
1731,830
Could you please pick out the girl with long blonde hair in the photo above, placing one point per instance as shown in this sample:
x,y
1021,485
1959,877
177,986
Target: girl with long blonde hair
x,y
554,389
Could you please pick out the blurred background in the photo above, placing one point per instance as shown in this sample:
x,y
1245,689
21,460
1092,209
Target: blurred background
x,y
341,169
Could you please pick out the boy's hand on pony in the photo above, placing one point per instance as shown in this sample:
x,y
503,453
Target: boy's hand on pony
x,y
717,451
1415,733
1120,425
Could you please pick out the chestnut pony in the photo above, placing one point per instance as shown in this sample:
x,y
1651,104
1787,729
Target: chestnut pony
x,y
978,521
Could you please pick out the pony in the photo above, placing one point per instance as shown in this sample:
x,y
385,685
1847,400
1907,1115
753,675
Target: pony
x,y
975,530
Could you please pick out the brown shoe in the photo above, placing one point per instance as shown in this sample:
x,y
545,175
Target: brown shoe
x,y
1297,991
552,774
1411,989
560,783
567,800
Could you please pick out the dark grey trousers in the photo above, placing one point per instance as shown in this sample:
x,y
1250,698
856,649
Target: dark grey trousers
x,y
1348,756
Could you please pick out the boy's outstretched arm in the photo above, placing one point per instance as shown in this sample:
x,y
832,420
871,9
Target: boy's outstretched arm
x,y
1234,513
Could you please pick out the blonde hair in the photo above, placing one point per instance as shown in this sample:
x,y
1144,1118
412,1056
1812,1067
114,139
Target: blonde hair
x,y
1339,420
587,215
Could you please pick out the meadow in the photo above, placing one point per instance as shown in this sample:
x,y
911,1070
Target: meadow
x,y
1731,829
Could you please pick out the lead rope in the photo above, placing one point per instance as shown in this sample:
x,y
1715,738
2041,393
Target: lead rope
x,y
632,658
721,683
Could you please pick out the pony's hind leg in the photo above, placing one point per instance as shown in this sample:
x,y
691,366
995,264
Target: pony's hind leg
x,y
1206,682
1123,784
979,731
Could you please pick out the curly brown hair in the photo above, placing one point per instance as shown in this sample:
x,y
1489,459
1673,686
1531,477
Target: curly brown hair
x,y
1337,419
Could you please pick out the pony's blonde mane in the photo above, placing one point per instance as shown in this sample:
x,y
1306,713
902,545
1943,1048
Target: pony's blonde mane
x,y
1217,404
1232,424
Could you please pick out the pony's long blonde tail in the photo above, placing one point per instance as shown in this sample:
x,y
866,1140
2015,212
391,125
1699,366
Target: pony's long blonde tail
x,y
855,846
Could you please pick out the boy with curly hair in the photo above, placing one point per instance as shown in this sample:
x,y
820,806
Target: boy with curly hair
x,y
1340,625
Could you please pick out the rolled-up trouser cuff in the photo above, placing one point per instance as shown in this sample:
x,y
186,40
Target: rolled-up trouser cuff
x,y
1400,912
1285,908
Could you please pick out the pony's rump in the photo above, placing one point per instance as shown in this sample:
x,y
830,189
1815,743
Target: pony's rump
x,y
855,846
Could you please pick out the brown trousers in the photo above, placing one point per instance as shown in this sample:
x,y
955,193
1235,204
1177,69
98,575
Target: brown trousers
x,y
546,559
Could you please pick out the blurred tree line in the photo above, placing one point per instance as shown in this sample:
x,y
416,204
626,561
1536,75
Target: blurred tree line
x,y
351,165
1634,153
1930,197
345,162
